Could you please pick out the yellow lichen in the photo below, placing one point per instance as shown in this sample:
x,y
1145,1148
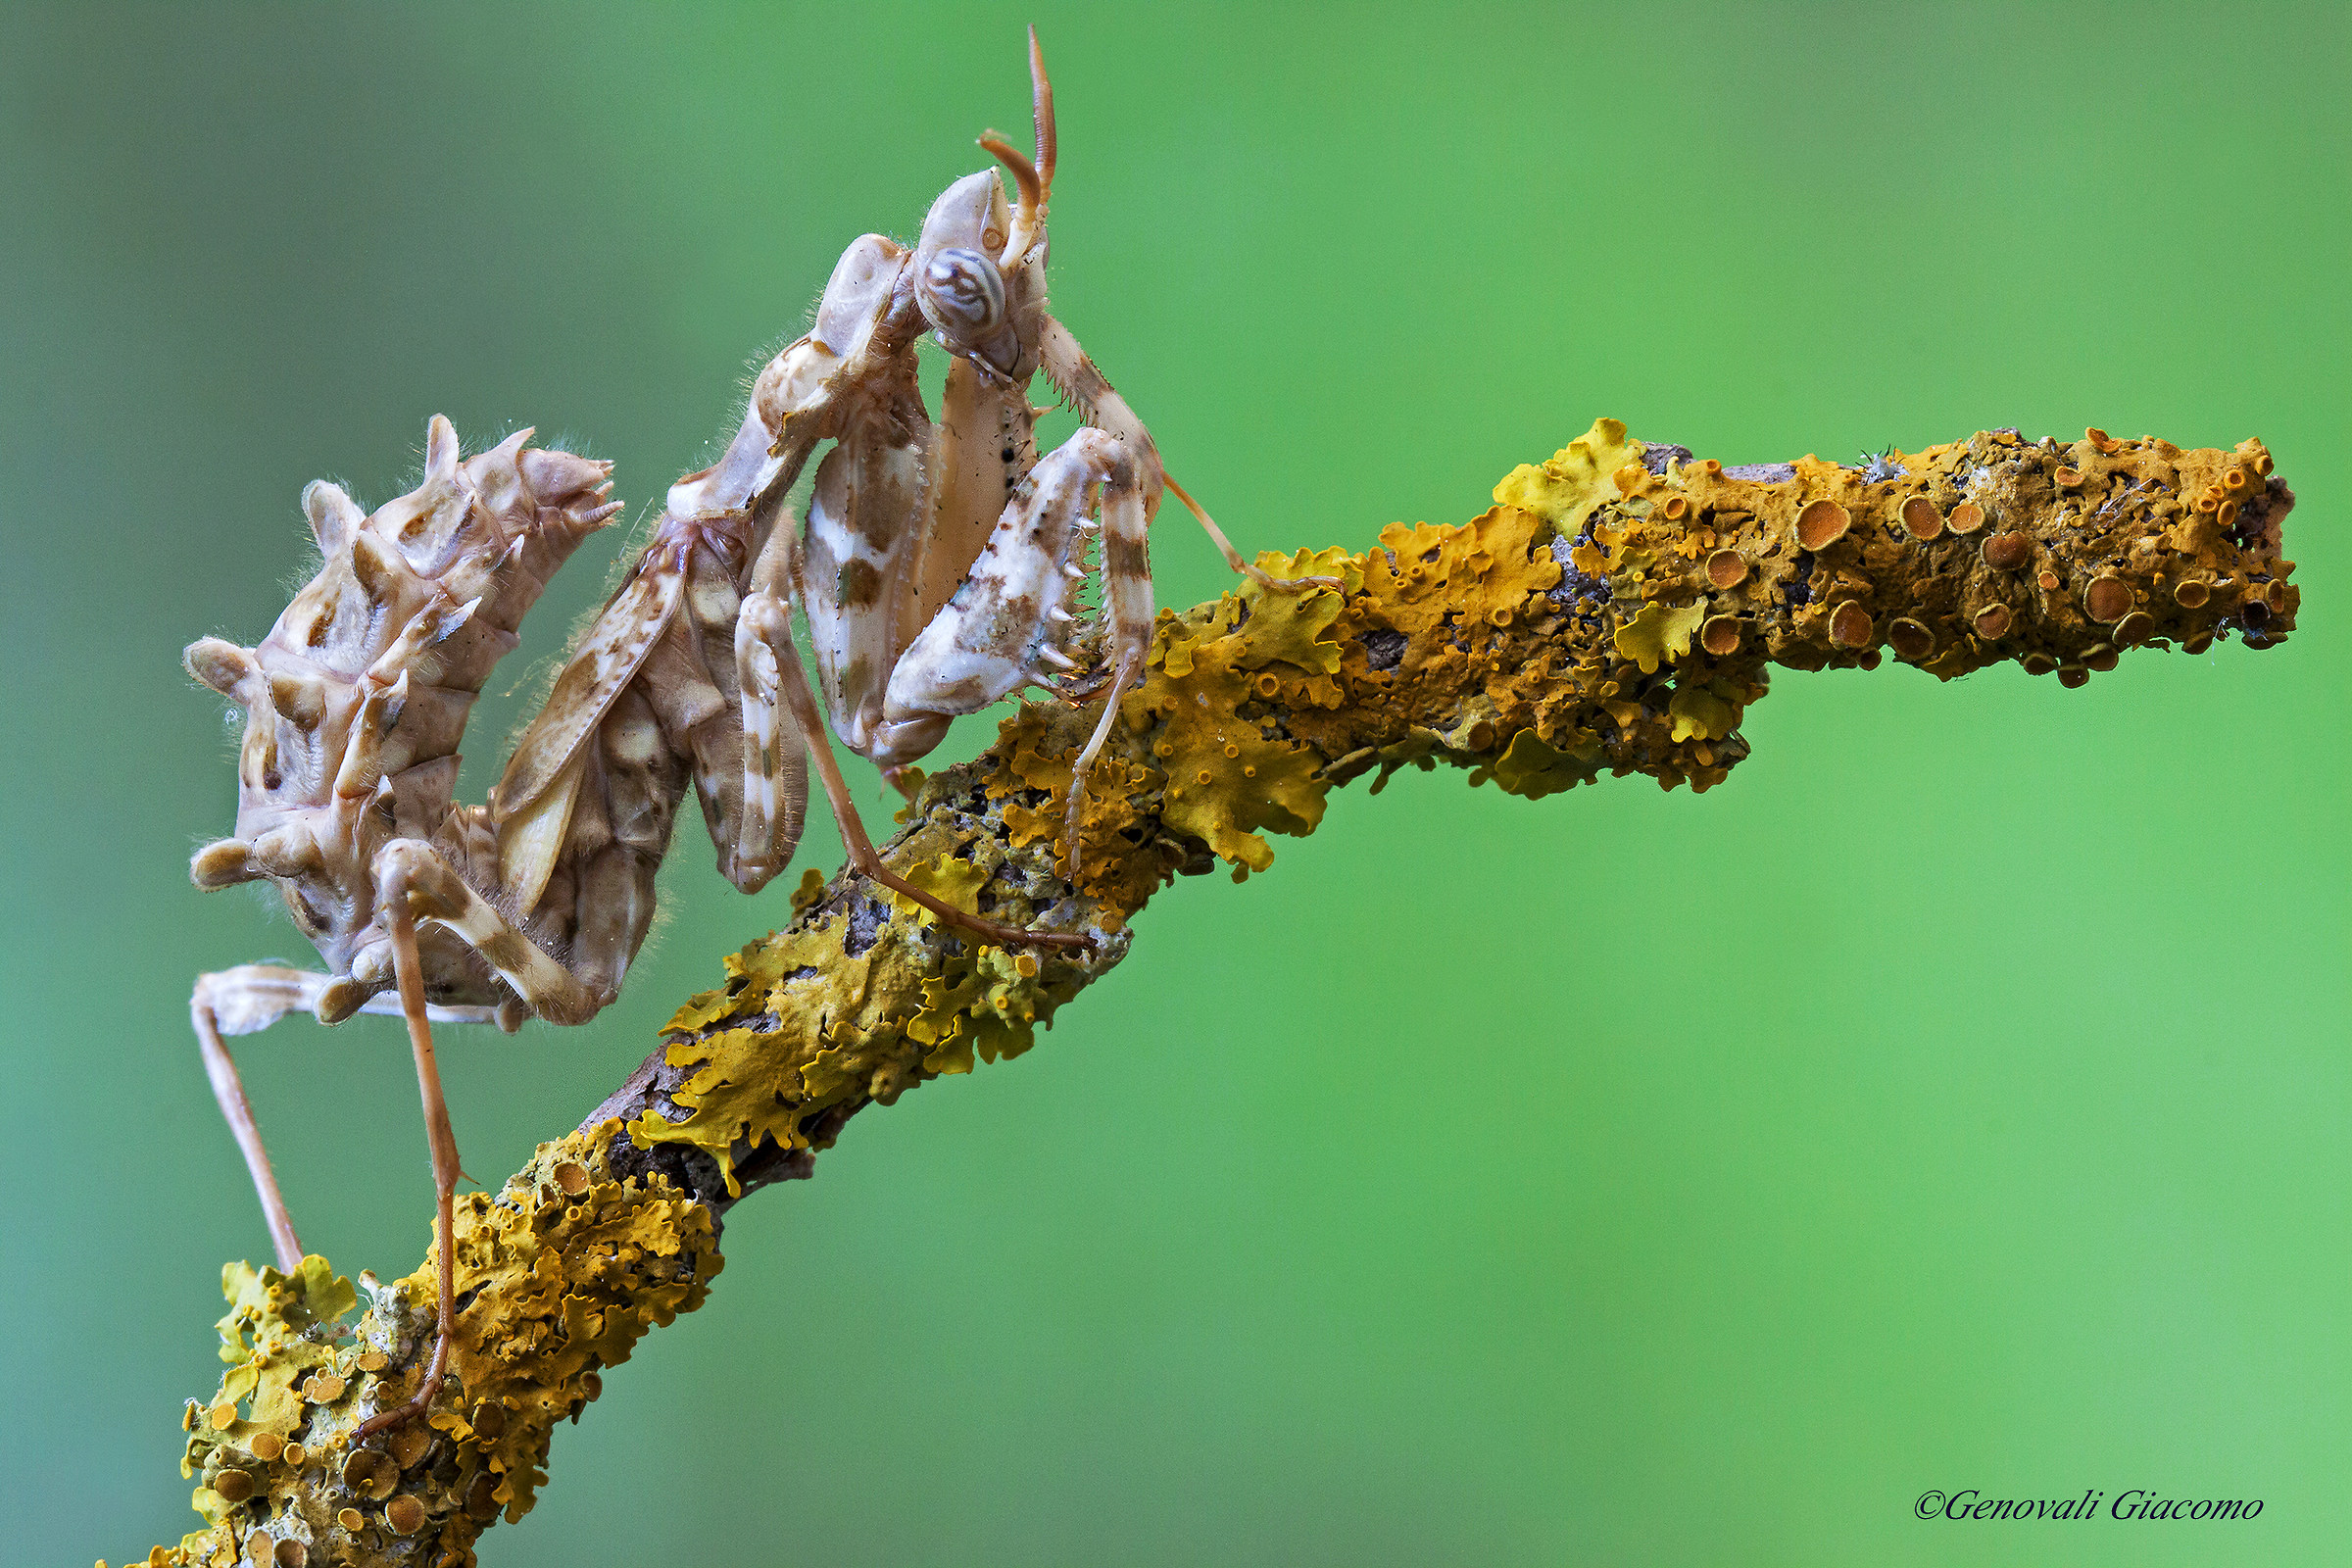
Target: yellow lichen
x,y
561,1273
564,1283
1532,767
1289,637
1657,634
1566,487
1039,743
946,879
280,1331
806,1026
1226,775
1707,711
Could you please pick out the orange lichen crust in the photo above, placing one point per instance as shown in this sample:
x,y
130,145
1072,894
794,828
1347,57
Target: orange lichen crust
x,y
1968,554
1615,609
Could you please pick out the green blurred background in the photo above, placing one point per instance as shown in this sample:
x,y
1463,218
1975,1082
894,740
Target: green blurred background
x,y
1955,1098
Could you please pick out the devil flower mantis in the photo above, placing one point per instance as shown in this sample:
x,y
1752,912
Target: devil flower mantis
x,y
938,575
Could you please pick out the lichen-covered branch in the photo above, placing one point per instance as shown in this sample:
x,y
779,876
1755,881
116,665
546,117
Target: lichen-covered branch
x,y
1614,612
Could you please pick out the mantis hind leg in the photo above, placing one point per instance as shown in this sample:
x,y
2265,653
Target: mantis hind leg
x,y
250,997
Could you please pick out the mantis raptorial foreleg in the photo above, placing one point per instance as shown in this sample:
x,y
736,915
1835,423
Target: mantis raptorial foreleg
x,y
775,747
1000,629
1127,601
766,622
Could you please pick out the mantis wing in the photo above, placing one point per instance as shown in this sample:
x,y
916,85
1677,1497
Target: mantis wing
x,y
533,804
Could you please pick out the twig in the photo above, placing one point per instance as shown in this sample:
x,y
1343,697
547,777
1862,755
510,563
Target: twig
x,y
1615,611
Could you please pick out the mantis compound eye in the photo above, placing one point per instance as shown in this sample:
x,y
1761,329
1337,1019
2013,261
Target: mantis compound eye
x,y
963,295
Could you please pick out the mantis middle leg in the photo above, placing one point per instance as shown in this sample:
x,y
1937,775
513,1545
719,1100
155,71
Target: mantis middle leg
x,y
414,883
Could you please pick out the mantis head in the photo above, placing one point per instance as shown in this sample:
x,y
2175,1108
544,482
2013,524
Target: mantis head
x,y
979,267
